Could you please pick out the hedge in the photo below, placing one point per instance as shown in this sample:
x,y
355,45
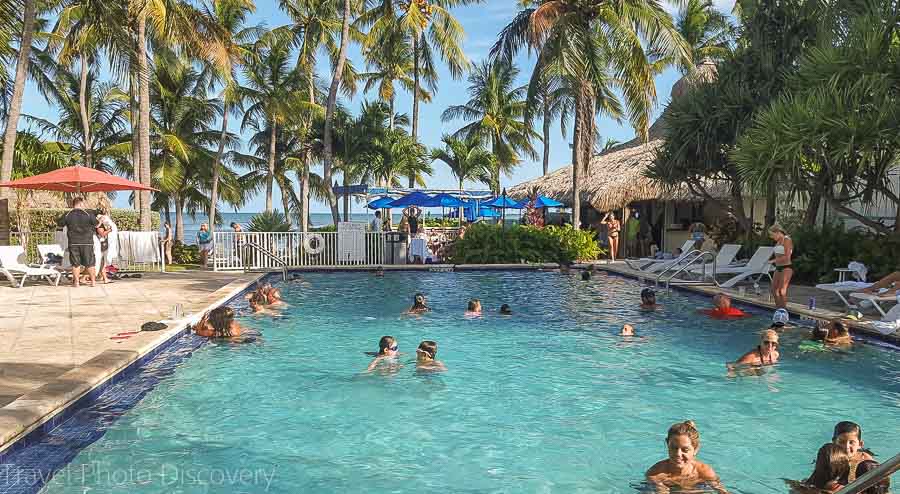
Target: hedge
x,y
491,244
44,220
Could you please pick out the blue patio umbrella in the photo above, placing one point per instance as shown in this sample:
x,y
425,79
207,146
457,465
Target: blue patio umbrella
x,y
502,202
413,199
444,200
380,203
542,202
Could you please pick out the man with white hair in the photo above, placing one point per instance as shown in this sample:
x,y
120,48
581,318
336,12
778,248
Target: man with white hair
x,y
80,227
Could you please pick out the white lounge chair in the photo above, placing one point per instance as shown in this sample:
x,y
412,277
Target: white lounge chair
x,y
843,287
757,267
10,266
46,249
888,296
724,259
645,263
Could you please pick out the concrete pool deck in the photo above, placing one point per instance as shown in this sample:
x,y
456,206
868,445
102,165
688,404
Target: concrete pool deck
x,y
57,342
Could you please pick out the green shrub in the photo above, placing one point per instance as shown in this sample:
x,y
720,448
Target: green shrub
x,y
818,250
440,222
491,244
44,220
185,254
274,221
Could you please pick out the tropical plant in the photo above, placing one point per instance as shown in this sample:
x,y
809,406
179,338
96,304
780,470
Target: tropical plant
x,y
595,47
467,159
397,155
495,113
493,244
269,221
390,62
708,32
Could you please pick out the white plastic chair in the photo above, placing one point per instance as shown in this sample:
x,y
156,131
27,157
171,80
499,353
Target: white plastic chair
x,y
10,266
757,267
724,259
646,263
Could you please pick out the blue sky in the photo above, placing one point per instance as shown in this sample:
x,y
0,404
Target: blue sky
x,y
482,23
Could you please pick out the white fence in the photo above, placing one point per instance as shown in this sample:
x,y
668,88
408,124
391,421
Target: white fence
x,y
296,249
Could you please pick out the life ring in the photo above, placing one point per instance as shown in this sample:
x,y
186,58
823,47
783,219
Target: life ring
x,y
320,243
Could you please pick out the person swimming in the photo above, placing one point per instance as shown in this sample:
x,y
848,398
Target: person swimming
x,y
832,464
848,436
781,319
474,307
426,357
379,273
387,349
764,354
682,468
218,323
505,310
648,300
585,276
258,301
418,306
838,334
272,294
627,330
723,308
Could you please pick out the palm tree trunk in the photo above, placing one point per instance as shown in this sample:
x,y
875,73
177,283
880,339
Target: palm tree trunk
x,y
346,197
135,144
179,218
415,112
586,140
85,121
304,179
329,109
771,195
15,106
391,117
546,133
576,163
144,122
285,203
214,193
270,172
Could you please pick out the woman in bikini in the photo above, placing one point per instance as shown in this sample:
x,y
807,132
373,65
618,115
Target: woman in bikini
x,y
764,354
612,232
784,248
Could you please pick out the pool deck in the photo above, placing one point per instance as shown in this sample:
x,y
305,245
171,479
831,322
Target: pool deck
x,y
57,341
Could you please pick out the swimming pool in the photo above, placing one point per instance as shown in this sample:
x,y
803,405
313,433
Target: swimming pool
x,y
548,400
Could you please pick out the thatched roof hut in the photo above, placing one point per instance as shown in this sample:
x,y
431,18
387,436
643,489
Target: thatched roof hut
x,y
615,178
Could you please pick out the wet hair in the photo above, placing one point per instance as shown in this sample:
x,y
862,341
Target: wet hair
x,y
416,300
647,294
220,319
721,299
841,329
505,309
474,305
686,428
847,427
831,464
428,347
585,276
233,224
385,343
259,298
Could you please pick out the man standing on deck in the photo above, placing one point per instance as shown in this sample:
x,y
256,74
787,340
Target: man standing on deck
x,y
80,227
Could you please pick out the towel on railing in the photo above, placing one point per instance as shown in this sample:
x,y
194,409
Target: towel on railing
x,y
139,247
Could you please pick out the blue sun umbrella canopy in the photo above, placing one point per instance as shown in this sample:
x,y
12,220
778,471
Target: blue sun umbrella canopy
x,y
444,200
502,202
470,212
542,202
380,203
414,199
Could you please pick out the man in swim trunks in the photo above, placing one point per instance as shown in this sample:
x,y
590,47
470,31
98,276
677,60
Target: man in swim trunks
x,y
723,308
80,227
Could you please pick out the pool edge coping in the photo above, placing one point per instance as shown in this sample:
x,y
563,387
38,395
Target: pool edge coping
x,y
42,409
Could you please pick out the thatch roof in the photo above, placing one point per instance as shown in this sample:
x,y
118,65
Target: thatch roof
x,y
615,178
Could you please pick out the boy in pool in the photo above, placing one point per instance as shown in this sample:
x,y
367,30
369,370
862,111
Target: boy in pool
x,y
418,306
426,357
648,300
585,276
474,308
681,468
627,330
832,464
723,308
387,350
848,436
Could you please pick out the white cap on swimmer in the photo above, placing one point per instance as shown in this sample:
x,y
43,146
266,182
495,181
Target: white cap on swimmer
x,y
781,316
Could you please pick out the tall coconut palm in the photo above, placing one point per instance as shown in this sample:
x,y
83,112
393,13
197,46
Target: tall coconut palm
x,y
390,62
15,107
467,159
596,47
495,113
708,32
272,93
398,155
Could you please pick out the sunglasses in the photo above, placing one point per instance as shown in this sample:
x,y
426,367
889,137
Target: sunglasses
x,y
394,348
771,343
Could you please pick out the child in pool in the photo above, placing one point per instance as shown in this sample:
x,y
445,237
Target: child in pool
x,y
627,330
681,468
418,306
426,357
218,323
848,436
387,350
505,310
648,300
258,302
474,308
832,463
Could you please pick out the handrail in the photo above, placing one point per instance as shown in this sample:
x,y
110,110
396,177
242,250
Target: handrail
x,y
872,477
693,256
259,248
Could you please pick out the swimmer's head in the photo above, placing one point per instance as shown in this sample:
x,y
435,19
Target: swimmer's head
x,y
257,300
379,272
221,319
769,338
585,276
838,329
387,345
683,442
627,330
780,318
832,463
648,296
848,436
474,305
722,301
419,300
427,350
505,309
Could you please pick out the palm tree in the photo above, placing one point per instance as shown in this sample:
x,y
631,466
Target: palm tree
x,y
330,105
390,62
708,32
467,159
398,155
15,107
595,47
272,92
496,113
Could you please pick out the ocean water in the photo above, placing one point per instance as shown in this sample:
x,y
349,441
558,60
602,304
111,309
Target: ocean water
x,y
547,400
192,225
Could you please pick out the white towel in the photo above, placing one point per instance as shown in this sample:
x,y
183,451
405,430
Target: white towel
x,y
139,247
859,270
885,327
844,286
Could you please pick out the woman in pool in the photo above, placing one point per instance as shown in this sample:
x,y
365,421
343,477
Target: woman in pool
x,y
474,308
218,323
764,354
784,248
681,468
387,350
648,300
258,302
838,335
418,306
426,356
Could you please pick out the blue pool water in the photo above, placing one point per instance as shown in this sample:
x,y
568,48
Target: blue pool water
x,y
548,400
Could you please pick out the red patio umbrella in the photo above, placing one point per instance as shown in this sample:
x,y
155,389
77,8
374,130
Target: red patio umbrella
x,y
77,179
